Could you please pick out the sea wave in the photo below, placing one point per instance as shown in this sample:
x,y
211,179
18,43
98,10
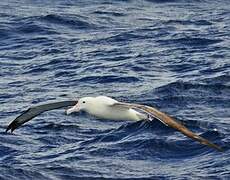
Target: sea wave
x,y
169,54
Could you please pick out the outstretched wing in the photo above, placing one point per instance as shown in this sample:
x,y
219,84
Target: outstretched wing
x,y
35,111
169,121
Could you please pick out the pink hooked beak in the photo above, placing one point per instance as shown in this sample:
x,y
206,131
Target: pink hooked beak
x,y
73,109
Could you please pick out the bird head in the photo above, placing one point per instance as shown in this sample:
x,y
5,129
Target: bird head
x,y
82,105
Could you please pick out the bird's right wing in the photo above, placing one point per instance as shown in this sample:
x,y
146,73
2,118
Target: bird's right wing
x,y
35,111
169,121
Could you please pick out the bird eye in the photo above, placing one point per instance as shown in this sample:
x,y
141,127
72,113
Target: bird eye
x,y
83,102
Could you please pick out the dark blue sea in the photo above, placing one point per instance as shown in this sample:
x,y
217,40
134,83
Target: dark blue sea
x,y
173,55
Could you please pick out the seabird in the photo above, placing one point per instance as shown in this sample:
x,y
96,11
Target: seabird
x,y
107,108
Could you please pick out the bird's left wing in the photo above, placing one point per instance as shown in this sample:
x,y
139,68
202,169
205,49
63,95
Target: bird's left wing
x,y
169,121
35,111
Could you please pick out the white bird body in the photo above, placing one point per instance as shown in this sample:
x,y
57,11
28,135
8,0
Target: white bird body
x,y
105,108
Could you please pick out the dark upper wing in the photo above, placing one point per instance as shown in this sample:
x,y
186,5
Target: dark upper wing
x,y
169,121
35,111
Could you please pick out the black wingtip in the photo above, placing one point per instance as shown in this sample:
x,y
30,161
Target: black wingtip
x,y
7,129
12,126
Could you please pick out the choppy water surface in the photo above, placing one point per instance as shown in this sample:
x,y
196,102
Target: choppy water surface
x,y
170,54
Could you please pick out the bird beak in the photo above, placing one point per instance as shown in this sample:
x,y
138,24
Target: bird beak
x,y
73,109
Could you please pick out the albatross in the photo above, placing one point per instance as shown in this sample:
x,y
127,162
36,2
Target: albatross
x,y
107,108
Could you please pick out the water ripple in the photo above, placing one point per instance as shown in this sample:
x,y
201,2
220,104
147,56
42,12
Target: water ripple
x,y
169,54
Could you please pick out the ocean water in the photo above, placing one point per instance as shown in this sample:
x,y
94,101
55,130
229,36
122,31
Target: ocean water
x,y
170,54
